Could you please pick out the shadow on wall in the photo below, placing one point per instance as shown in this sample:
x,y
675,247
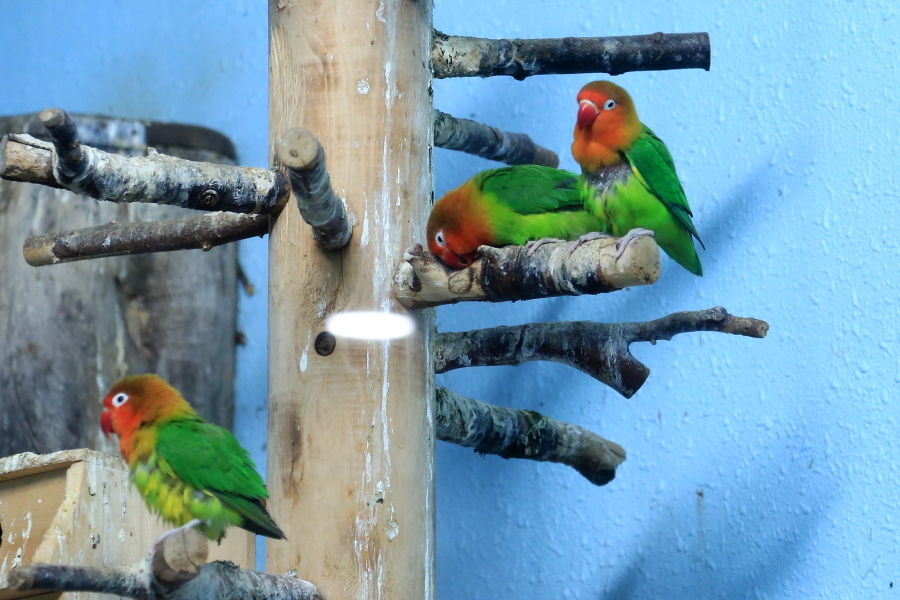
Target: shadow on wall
x,y
775,528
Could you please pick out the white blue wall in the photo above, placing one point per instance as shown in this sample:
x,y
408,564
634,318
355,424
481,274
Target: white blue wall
x,y
756,468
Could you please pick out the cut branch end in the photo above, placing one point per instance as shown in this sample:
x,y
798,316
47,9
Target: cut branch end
x,y
319,205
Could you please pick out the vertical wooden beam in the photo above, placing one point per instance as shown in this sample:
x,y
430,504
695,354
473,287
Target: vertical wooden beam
x,y
351,436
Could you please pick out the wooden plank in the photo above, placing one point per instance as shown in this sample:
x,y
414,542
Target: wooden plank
x,y
77,507
351,438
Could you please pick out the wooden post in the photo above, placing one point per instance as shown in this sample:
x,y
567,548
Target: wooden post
x,y
351,436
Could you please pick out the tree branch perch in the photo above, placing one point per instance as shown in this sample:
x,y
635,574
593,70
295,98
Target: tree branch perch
x,y
156,178
326,213
459,56
175,571
508,274
513,433
599,349
202,232
489,142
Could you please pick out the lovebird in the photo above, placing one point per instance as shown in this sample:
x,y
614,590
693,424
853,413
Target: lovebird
x,y
190,472
629,175
523,205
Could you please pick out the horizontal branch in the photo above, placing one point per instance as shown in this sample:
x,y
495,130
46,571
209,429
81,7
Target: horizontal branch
x,y
513,433
508,274
202,232
599,349
175,571
489,142
458,56
320,207
156,178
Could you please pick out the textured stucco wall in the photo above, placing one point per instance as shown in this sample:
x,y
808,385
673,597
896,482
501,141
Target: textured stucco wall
x,y
756,468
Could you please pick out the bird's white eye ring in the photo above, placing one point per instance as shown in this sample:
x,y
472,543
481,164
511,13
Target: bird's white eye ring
x,y
439,238
119,399
609,104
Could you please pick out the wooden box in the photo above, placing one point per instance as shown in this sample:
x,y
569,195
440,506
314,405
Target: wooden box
x,y
76,507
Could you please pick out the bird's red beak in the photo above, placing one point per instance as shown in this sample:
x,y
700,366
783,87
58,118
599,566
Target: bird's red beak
x,y
587,113
106,424
454,260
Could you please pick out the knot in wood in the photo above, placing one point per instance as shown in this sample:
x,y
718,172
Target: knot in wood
x,y
460,282
325,343
209,198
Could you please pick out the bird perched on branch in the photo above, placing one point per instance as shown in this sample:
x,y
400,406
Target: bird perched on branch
x,y
630,176
192,473
510,205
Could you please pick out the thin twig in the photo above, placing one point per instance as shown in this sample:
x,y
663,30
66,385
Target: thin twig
x,y
599,349
489,142
508,274
319,205
201,232
459,56
513,433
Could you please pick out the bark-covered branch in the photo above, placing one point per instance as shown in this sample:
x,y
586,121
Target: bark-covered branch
x,y
505,274
599,349
156,178
325,212
459,56
175,571
25,158
202,232
513,433
489,142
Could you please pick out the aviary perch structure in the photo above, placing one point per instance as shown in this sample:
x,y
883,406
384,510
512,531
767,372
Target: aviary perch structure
x,y
76,507
176,570
352,424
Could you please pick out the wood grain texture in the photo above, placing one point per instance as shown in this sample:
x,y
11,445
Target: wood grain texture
x,y
71,331
508,274
351,442
77,507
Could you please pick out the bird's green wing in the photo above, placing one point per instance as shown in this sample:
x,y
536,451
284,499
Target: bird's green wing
x,y
209,458
653,165
532,189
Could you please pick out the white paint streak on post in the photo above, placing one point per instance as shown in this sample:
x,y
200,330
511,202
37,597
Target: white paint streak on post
x,y
351,449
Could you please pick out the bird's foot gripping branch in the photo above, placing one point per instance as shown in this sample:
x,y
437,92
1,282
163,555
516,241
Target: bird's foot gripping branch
x,y
176,570
506,274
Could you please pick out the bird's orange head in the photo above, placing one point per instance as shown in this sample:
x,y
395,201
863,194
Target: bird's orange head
x,y
457,226
139,401
607,124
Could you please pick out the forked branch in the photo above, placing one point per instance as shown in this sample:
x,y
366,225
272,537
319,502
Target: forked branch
x,y
599,349
459,56
175,571
504,274
513,433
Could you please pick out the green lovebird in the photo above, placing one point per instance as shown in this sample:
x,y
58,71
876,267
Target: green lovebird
x,y
522,205
190,472
629,175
